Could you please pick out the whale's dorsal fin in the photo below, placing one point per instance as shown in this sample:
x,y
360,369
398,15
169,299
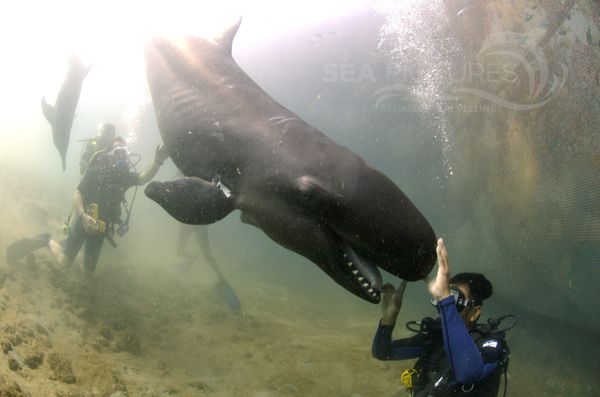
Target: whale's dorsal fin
x,y
226,39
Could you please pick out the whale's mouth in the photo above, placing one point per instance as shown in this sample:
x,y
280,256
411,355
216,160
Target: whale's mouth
x,y
365,274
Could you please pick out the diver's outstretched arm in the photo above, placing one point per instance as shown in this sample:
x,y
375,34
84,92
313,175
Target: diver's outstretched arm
x,y
391,302
159,157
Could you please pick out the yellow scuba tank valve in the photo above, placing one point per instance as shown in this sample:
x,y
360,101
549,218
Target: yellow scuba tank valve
x,y
92,211
65,228
408,377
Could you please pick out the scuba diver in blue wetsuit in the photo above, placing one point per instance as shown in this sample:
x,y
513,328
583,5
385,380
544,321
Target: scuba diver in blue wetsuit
x,y
456,355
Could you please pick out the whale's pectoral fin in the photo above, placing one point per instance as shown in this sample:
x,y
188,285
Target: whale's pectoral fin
x,y
48,111
191,200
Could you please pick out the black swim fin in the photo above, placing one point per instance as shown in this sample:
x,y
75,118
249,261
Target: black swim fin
x,y
25,246
223,288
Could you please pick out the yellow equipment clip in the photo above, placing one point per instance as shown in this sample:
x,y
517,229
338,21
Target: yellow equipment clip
x,y
92,211
407,377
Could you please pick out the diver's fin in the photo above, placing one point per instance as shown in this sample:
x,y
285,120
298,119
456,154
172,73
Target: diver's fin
x,y
228,294
191,200
223,288
48,111
25,246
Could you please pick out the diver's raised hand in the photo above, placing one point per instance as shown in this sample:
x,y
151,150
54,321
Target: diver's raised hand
x,y
439,287
391,302
161,154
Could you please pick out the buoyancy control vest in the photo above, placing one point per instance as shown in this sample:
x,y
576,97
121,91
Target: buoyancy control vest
x,y
434,376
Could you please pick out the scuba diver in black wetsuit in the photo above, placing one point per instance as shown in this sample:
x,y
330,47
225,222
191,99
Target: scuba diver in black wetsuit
x,y
456,355
201,234
94,146
222,286
97,205
104,184
106,134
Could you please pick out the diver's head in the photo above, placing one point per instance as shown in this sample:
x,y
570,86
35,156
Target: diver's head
x,y
469,291
119,153
106,134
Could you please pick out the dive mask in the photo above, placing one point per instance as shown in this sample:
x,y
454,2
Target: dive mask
x,y
120,155
459,299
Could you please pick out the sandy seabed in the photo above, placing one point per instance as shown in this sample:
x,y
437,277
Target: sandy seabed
x,y
141,327
63,336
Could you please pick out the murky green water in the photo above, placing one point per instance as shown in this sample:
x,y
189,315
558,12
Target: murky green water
x,y
486,114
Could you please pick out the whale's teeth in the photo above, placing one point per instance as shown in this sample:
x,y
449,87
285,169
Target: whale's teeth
x,y
365,285
350,264
355,272
360,278
370,290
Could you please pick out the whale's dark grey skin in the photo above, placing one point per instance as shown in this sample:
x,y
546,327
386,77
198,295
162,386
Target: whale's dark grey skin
x,y
61,115
191,200
306,192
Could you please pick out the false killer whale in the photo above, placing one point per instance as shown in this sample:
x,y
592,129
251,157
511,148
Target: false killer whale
x,y
240,149
61,115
